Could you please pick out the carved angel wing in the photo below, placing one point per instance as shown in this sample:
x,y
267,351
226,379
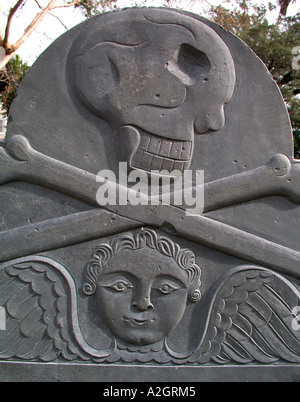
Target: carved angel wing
x,y
251,319
39,298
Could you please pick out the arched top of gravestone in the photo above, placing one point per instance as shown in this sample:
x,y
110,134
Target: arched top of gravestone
x,y
115,86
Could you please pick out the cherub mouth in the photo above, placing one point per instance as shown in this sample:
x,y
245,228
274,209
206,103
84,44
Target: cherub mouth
x,y
157,153
134,322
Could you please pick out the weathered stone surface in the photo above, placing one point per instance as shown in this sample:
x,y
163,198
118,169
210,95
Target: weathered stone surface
x,y
157,89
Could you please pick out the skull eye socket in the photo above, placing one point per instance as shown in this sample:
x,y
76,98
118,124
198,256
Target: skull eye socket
x,y
190,66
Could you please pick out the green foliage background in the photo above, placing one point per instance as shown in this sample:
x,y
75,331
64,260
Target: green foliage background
x,y
274,44
10,79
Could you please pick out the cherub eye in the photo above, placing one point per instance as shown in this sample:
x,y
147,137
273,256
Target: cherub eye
x,y
167,288
120,286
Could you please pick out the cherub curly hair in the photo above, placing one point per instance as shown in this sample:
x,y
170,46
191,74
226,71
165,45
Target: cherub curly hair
x,y
183,257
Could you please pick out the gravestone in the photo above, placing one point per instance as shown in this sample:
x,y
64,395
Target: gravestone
x,y
151,291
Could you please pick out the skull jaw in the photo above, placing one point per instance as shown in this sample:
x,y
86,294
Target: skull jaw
x,y
149,152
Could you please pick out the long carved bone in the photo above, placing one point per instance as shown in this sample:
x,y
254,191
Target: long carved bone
x,y
277,177
22,162
90,225
38,168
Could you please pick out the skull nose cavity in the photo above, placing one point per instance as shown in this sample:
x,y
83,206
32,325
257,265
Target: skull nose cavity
x,y
155,153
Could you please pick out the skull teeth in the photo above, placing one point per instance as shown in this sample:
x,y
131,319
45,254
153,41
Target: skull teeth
x,y
162,154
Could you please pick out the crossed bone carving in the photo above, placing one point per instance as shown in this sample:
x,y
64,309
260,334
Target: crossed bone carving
x,y
20,162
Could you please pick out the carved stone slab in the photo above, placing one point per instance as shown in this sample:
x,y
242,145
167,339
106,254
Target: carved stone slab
x,y
122,291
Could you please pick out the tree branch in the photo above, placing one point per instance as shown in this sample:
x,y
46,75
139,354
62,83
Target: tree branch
x,y
31,27
38,4
11,49
55,16
12,12
74,3
28,31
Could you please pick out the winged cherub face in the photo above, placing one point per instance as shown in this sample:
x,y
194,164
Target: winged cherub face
x,y
142,295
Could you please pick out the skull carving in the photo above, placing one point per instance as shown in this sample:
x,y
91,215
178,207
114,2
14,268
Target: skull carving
x,y
157,77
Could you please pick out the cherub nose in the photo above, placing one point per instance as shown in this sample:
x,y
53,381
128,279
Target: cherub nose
x,y
143,304
142,301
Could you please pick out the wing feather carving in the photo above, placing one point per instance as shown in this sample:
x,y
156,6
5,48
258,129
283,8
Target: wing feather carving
x,y
29,293
40,301
251,319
